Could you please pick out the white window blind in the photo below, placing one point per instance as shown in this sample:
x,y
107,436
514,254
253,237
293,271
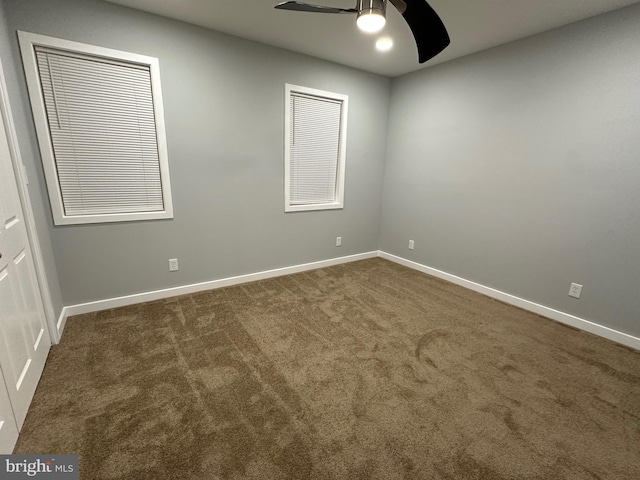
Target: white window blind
x,y
314,149
316,131
99,117
103,132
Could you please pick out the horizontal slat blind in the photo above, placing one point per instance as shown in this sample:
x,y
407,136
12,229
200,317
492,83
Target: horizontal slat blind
x,y
314,145
102,127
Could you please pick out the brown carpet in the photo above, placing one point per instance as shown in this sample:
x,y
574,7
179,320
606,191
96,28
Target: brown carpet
x,y
367,370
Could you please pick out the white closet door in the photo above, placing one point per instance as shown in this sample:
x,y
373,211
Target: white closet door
x,y
8,427
24,339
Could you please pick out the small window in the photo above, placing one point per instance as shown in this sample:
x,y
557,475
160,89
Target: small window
x,y
100,125
315,144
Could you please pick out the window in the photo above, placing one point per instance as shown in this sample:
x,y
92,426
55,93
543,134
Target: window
x,y
315,144
100,125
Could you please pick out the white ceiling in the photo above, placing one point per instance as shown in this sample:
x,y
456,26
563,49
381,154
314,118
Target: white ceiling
x,y
473,25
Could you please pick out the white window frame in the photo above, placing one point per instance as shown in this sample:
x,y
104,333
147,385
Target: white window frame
x,y
28,42
342,148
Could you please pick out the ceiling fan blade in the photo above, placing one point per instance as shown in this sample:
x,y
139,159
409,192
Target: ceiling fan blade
x,y
305,7
400,5
427,28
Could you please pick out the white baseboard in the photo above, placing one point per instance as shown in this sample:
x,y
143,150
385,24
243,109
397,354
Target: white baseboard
x,y
568,319
198,287
62,321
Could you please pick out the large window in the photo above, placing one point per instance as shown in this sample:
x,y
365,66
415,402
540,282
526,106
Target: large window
x,y
315,142
100,125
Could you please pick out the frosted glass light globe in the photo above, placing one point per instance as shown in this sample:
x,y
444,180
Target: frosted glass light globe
x,y
371,22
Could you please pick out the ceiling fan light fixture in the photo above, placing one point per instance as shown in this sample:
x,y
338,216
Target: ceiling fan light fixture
x,y
371,15
426,26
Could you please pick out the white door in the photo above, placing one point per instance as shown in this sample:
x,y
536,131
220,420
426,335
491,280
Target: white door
x,y
8,427
24,339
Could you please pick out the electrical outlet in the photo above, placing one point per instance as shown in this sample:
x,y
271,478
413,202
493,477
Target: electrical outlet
x,y
173,264
338,241
575,290
411,244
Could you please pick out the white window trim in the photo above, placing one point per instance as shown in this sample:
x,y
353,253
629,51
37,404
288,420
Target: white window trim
x,y
342,148
28,42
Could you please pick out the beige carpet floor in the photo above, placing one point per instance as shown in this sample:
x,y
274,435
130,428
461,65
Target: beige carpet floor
x,y
367,370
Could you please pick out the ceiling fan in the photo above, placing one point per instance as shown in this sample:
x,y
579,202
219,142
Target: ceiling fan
x,y
425,24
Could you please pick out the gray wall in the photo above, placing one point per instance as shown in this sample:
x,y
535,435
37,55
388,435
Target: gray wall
x,y
224,106
30,156
518,168
515,167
